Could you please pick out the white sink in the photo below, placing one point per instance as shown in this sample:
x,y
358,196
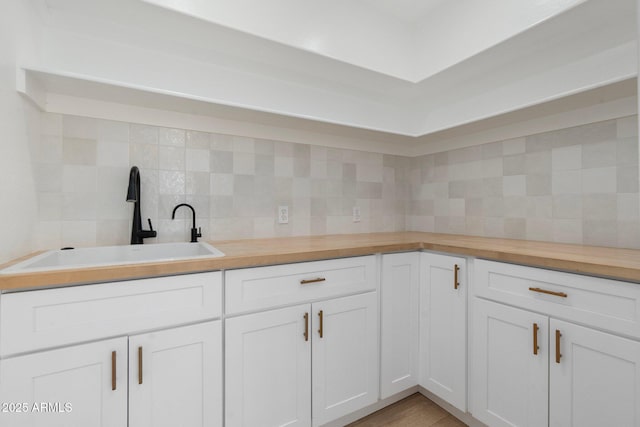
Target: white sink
x,y
113,255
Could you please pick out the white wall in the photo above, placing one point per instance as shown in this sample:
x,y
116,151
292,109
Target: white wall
x,y
19,129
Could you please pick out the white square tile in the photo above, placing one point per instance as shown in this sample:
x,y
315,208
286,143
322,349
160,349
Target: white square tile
x,y
628,206
566,158
599,180
492,167
49,150
566,182
112,232
144,155
48,177
171,182
112,154
171,137
567,231
112,205
77,151
457,207
171,158
79,233
197,160
243,163
50,206
113,179
142,134
222,184
283,166
243,144
79,179
47,235
221,142
195,139
79,206
515,185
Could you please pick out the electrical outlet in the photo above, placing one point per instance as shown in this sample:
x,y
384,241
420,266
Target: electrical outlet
x,y
283,214
356,214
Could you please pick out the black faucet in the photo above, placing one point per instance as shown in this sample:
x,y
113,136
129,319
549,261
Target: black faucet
x,y
133,195
195,233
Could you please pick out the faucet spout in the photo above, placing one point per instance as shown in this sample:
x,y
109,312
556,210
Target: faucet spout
x,y
133,196
195,232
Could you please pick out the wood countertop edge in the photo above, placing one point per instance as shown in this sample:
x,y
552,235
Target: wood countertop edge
x,y
571,259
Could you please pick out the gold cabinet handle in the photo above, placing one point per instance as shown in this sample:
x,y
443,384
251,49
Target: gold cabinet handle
x,y
558,355
456,283
535,338
139,365
316,280
306,326
548,292
321,330
113,370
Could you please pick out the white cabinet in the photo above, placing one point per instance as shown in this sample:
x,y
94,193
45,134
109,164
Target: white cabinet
x,y
271,358
399,322
83,385
443,327
171,377
345,356
48,318
594,378
582,376
510,366
175,377
268,368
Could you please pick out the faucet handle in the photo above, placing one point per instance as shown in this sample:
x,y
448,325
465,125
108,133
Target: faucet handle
x,y
199,232
150,225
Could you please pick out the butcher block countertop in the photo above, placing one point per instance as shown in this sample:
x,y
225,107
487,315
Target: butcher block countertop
x,y
623,264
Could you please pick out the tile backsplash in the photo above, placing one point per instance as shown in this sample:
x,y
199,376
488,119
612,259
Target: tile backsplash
x,y
235,184
576,185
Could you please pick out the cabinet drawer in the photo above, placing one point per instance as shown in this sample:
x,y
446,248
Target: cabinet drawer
x,y
55,317
265,287
603,303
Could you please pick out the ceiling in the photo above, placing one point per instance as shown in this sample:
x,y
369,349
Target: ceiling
x,y
406,10
401,67
407,39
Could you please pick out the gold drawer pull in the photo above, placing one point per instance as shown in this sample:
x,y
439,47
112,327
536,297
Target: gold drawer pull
x,y
545,291
113,370
535,338
456,283
558,355
306,326
139,365
321,330
316,280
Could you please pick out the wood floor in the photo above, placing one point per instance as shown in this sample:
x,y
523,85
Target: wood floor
x,y
414,411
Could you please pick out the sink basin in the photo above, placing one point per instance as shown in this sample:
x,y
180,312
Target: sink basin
x,y
113,255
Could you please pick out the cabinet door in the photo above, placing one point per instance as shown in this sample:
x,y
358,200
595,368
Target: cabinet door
x,y
175,377
509,382
84,385
345,356
443,328
268,368
596,380
399,315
